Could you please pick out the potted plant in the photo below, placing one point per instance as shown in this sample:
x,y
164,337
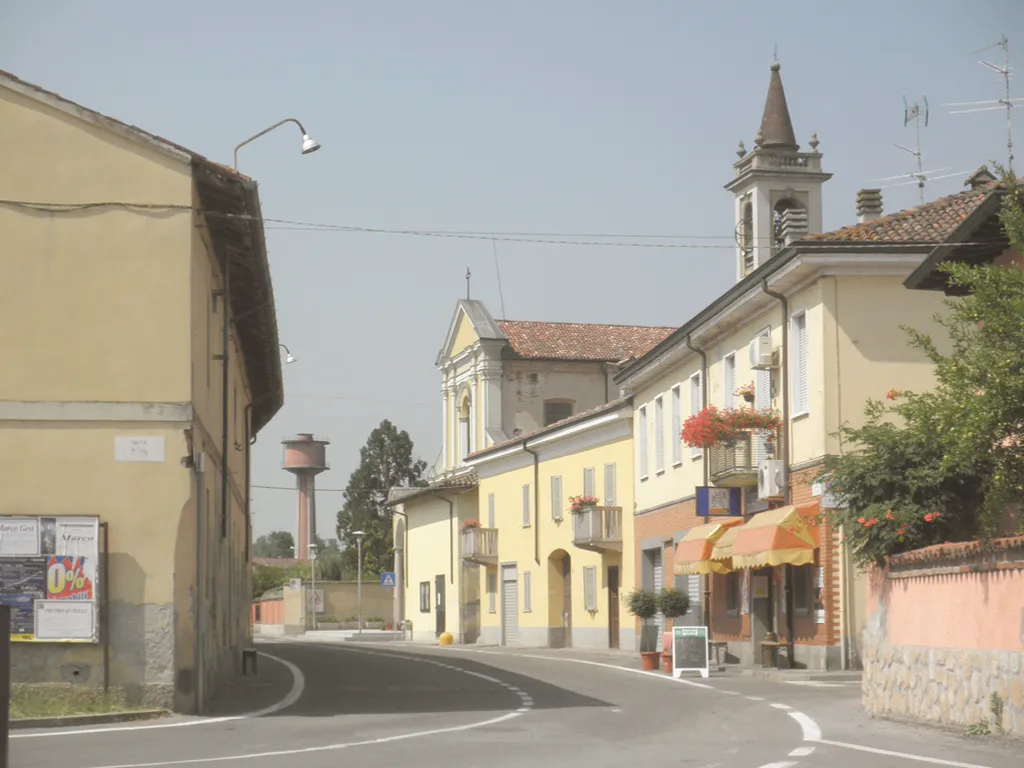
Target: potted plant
x,y
672,603
746,392
470,525
643,604
581,502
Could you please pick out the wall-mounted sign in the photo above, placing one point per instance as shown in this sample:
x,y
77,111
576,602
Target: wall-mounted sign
x,y
719,502
133,448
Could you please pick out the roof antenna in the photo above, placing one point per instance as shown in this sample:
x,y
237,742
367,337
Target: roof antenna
x,y
468,275
993,104
916,113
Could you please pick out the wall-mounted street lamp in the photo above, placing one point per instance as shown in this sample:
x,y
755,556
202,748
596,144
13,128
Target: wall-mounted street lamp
x,y
290,357
309,144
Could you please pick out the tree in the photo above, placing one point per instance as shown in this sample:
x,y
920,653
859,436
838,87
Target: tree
x,y
386,462
944,465
276,544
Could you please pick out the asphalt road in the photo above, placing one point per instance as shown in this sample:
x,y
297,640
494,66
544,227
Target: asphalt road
x,y
321,704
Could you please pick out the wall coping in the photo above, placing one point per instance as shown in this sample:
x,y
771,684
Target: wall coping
x,y
960,557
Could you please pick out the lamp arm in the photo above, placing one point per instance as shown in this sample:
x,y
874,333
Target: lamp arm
x,y
264,132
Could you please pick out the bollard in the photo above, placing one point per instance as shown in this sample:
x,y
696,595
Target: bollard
x,y
249,657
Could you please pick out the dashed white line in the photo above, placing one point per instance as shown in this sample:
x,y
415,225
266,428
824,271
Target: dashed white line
x,y
781,706
785,764
754,698
801,752
810,728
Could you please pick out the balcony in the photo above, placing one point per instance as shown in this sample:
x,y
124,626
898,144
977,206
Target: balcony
x,y
480,545
733,464
598,529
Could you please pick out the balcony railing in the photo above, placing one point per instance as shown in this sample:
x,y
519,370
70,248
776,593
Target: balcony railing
x,y
734,463
598,528
480,545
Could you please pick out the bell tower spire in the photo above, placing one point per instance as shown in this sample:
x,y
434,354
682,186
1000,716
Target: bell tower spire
x,y
777,188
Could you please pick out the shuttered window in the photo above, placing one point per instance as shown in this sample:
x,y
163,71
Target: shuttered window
x,y
424,597
729,380
677,425
798,364
610,499
490,511
659,435
641,436
527,589
588,482
762,400
492,592
556,498
696,403
526,506
590,588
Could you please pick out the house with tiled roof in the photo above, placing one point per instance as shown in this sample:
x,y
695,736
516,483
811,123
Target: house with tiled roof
x,y
808,333
501,381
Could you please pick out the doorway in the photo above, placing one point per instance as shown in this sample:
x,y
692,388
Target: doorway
x,y
439,604
560,599
613,606
762,620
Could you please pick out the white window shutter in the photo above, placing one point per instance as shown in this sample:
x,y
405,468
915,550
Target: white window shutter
x,y
762,400
659,435
526,505
590,588
803,384
696,403
490,511
729,380
527,590
642,437
556,498
588,482
677,425
609,485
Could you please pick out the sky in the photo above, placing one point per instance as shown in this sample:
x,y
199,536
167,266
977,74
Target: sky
x,y
564,117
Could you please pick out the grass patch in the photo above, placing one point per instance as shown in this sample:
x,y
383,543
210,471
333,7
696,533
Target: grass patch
x,y
58,700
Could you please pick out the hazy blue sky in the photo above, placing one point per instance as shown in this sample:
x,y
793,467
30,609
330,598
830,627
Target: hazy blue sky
x,y
566,116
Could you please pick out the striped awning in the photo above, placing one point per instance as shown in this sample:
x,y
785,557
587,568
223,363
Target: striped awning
x,y
783,536
722,551
693,552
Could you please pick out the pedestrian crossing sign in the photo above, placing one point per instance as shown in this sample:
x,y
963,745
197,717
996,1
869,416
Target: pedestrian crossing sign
x,y
387,579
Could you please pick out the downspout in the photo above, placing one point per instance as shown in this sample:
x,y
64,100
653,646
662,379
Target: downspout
x,y
536,500
451,535
784,451
225,386
704,461
249,440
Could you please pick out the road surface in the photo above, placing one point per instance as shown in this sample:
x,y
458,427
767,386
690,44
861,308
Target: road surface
x,y
316,705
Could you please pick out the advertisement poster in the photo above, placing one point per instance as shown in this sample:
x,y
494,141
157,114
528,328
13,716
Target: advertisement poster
x,y
48,575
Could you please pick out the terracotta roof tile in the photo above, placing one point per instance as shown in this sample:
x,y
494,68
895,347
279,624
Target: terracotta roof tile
x,y
461,482
580,341
932,222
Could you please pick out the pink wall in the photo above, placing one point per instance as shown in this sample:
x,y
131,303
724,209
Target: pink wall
x,y
951,606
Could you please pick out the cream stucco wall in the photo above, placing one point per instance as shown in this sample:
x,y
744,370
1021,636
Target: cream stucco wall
x,y
106,313
536,549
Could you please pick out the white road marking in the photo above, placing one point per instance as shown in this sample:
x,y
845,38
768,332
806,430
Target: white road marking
x,y
298,686
817,683
328,748
785,764
781,706
754,698
801,752
654,675
810,728
904,755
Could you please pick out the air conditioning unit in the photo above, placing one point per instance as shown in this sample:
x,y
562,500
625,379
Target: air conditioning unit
x,y
761,357
769,479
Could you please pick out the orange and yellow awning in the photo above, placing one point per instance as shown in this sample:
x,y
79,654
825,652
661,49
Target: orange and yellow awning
x,y
783,536
694,550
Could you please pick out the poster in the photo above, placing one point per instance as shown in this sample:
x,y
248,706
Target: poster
x,y
49,569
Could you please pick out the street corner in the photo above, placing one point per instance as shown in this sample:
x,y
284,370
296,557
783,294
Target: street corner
x,y
270,683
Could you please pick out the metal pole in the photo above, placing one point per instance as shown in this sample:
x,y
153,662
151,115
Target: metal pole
x,y
312,557
359,582
5,681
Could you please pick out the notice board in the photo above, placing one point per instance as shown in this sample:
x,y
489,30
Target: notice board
x,y
49,576
689,650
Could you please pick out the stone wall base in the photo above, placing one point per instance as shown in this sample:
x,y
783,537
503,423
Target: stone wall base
x,y
944,686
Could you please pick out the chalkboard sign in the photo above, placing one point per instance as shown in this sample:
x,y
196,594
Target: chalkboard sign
x,y
689,650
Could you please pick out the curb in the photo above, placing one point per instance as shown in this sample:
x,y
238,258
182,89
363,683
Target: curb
x,y
70,721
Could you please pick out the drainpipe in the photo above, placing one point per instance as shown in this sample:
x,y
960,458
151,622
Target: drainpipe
x,y
707,469
784,439
536,501
451,535
225,499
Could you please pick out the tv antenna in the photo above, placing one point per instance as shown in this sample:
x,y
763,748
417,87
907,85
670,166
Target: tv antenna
x,y
994,104
917,114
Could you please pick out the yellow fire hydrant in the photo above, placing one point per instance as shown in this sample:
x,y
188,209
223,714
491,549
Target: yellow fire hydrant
x,y
445,638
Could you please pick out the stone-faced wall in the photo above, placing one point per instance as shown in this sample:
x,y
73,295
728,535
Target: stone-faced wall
x,y
945,631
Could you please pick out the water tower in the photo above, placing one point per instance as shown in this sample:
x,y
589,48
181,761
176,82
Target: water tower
x,y
305,456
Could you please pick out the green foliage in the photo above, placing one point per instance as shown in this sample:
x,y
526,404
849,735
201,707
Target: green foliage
x,y
927,468
275,544
266,578
673,603
386,462
644,605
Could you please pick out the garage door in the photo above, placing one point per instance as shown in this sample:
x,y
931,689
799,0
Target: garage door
x,y
509,605
659,584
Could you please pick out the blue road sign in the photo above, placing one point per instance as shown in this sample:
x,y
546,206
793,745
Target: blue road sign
x,y
387,579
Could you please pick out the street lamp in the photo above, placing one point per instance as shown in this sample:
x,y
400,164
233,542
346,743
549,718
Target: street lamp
x,y
290,357
309,145
312,558
359,578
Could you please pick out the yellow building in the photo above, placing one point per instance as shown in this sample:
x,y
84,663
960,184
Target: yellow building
x,y
554,573
139,325
501,380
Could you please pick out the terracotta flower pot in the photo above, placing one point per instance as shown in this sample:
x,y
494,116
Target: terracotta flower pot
x,y
666,663
649,660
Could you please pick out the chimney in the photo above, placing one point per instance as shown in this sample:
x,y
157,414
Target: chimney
x,y
794,225
981,178
869,205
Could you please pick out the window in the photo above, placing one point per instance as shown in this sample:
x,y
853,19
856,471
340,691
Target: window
x,y
588,482
762,400
527,584
729,380
677,426
641,428
526,506
696,403
424,597
659,435
732,593
802,589
492,592
609,485
556,410
590,588
798,364
490,511
556,498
